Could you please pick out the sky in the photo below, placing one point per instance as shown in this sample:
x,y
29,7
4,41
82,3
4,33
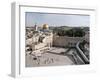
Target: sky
x,y
32,18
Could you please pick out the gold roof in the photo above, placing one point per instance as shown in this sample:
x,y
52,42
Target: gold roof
x,y
45,26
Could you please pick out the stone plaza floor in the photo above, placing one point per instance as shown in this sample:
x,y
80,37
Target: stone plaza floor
x,y
53,57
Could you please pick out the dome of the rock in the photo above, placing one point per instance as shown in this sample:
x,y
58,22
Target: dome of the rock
x,y
45,26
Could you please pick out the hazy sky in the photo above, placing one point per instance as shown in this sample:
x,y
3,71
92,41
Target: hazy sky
x,y
56,19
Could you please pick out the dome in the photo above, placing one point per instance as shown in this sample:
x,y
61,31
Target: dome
x,y
45,26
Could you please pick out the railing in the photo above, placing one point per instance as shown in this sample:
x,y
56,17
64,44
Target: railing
x,y
82,55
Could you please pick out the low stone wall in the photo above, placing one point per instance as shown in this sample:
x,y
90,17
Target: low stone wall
x,y
65,41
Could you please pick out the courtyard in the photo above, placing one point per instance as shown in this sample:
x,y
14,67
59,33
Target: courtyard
x,y
53,57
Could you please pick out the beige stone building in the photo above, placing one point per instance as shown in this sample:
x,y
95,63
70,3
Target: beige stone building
x,y
42,40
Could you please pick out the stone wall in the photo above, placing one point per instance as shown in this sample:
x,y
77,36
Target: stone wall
x,y
65,41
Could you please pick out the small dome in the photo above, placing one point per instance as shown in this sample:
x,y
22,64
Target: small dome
x,y
45,26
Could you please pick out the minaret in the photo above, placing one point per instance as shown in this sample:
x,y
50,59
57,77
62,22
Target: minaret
x,y
36,27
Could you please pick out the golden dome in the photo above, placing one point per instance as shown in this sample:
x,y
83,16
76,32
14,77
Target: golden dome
x,y
45,26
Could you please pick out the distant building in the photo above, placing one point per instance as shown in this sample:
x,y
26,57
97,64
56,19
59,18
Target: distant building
x,y
42,39
45,26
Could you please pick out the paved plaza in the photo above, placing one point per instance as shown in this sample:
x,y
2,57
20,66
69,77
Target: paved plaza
x,y
54,57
